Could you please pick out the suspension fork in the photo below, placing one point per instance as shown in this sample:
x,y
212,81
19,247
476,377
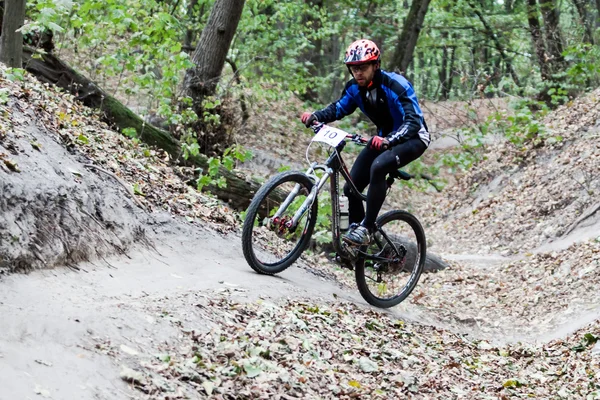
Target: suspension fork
x,y
310,199
286,203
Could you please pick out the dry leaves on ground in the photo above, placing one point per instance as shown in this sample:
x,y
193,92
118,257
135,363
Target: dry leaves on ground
x,y
147,172
520,299
519,198
319,349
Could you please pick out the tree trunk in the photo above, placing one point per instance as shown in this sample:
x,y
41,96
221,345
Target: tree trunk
x,y
443,73
448,86
239,190
313,56
334,47
554,41
447,72
584,19
494,38
407,41
2,14
536,36
211,51
11,41
190,34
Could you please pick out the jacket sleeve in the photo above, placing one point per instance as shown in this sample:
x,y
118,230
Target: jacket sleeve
x,y
338,110
412,119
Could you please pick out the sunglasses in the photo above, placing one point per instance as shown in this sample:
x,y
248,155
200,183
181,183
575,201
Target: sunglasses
x,y
359,68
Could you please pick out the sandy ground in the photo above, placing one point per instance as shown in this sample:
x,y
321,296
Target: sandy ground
x,y
51,320
54,320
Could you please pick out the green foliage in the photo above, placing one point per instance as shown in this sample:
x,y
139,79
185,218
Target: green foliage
x,y
209,106
584,69
137,190
3,96
230,157
14,74
50,15
273,38
322,233
290,47
83,139
135,43
295,46
524,126
130,132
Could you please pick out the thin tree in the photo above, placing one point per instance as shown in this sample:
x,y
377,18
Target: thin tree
x,y
554,41
536,36
597,14
11,41
584,19
211,52
407,41
497,44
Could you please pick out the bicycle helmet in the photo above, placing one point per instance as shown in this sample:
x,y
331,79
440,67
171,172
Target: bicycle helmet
x,y
362,51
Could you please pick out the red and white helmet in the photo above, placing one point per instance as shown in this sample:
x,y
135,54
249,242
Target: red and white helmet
x,y
361,52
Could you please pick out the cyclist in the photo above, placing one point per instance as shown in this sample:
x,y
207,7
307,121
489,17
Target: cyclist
x,y
389,100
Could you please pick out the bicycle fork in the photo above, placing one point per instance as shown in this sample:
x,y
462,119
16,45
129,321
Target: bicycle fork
x,y
292,224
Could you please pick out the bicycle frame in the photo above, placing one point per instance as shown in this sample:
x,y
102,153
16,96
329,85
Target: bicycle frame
x,y
334,166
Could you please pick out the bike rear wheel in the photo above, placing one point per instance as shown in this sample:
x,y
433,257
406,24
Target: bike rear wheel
x,y
386,281
269,246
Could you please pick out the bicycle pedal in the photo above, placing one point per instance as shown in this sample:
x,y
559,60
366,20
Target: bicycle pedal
x,y
344,262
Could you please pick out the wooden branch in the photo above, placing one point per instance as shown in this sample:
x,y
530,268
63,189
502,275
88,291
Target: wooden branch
x,y
431,182
120,181
588,213
490,33
236,75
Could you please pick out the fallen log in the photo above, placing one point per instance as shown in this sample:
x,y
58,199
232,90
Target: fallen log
x,y
50,69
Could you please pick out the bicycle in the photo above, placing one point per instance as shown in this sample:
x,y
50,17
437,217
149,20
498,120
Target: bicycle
x,y
281,218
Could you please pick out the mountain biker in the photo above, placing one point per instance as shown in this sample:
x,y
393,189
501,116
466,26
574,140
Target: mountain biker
x,y
389,100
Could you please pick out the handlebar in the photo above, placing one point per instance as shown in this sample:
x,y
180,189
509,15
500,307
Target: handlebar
x,y
355,138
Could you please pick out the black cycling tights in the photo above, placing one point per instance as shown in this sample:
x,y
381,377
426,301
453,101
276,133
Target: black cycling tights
x,y
371,168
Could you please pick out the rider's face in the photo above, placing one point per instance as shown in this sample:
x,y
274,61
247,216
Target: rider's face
x,y
364,73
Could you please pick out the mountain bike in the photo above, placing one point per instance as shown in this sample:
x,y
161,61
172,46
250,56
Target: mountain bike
x,y
281,219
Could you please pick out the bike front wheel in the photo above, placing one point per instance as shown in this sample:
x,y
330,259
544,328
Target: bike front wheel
x,y
269,245
386,274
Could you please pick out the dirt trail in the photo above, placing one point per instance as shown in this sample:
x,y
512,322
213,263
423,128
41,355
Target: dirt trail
x,y
51,320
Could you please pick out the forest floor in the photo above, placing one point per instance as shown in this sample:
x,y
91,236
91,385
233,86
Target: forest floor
x,y
514,316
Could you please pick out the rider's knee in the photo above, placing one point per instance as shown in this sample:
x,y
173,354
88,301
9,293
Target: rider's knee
x,y
377,170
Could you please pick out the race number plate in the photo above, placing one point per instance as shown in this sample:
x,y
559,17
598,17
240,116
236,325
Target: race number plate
x,y
331,136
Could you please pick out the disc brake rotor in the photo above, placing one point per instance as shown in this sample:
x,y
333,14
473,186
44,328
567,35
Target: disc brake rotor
x,y
395,264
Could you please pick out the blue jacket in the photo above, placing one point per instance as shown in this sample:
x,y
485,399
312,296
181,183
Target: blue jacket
x,y
396,113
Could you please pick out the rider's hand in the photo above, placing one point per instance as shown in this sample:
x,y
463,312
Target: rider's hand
x,y
308,119
378,143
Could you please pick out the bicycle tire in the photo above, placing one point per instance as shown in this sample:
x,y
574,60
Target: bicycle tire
x,y
360,275
253,210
